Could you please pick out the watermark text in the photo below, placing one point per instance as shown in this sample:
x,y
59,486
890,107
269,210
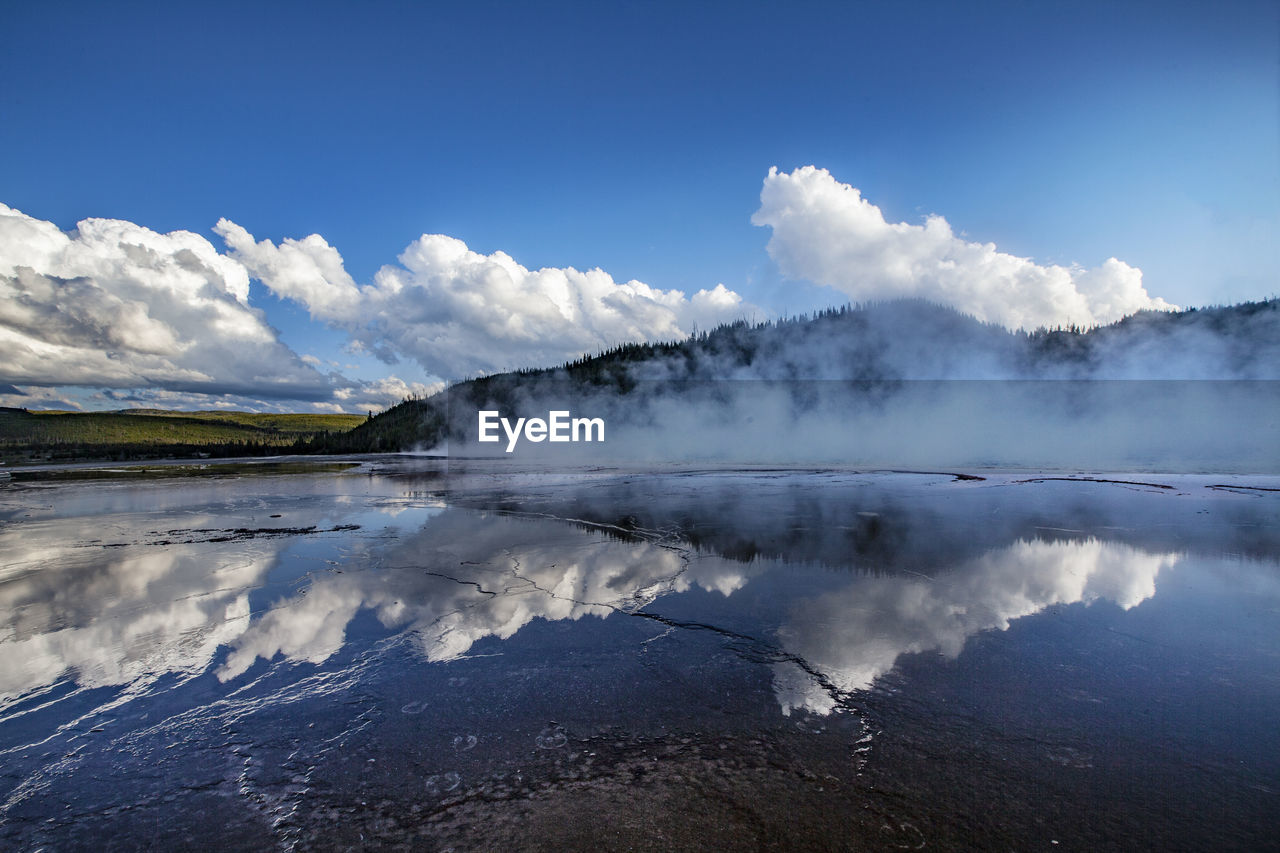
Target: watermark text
x,y
558,426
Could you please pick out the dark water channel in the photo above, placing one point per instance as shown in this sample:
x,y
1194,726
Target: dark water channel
x,y
416,655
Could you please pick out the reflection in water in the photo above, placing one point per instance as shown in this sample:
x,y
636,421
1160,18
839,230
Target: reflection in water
x,y
856,634
118,616
463,575
468,575
128,595
280,656
125,616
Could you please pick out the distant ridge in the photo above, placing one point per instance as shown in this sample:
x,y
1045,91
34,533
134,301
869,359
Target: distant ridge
x,y
885,341
897,340
151,433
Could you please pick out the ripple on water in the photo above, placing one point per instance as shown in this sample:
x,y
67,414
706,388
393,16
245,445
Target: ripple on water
x,y
902,836
442,783
552,737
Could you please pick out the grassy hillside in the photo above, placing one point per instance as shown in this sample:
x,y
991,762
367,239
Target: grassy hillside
x,y
286,424
148,433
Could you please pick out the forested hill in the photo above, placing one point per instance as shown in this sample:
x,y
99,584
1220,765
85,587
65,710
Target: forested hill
x,y
898,340
912,339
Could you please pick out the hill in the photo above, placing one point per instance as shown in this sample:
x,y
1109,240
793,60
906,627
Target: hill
x,y
878,343
150,433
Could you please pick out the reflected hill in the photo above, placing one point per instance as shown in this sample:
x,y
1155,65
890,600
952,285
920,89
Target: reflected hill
x,y
884,523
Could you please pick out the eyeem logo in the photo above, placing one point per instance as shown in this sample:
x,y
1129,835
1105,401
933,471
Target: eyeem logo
x,y
558,426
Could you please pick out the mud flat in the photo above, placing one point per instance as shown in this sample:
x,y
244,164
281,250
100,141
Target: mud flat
x,y
433,654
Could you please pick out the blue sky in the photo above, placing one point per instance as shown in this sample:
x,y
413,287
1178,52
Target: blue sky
x,y
635,138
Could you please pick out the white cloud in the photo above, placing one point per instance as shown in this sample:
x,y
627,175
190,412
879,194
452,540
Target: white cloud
x,y
381,393
459,312
160,319
117,306
308,271
352,398
37,398
826,232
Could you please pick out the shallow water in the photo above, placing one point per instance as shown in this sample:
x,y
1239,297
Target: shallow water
x,y
413,653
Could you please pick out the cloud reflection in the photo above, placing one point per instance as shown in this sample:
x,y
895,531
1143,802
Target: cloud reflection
x,y
856,634
118,616
466,576
129,615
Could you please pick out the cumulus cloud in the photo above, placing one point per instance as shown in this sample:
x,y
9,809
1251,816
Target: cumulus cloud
x,y
37,398
826,232
376,393
458,312
112,304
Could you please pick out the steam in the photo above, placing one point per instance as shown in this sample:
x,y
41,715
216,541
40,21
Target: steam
x,y
912,383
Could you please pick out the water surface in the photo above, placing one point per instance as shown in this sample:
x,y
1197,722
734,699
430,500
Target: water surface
x,y
419,654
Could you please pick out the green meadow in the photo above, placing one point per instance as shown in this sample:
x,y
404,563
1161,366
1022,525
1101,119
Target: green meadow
x,y
145,433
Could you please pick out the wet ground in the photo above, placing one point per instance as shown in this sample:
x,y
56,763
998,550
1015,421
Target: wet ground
x,y
417,654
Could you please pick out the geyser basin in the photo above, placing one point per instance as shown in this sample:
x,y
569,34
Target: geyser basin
x,y
481,657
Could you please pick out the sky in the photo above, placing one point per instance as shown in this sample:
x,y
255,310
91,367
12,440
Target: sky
x,y
330,206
